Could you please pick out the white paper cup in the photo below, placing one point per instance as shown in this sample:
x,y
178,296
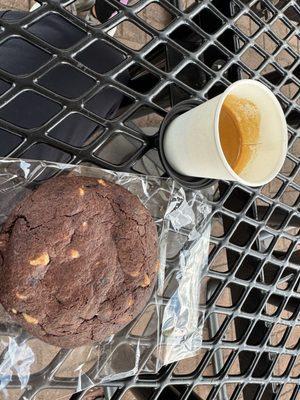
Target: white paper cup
x,y
192,142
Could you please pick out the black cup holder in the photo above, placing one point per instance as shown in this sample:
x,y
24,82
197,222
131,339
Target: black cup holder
x,y
185,181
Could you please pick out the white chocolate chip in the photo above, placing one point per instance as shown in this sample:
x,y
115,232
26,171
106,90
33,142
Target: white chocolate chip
x,y
74,253
130,302
30,319
146,281
102,182
21,296
41,260
134,274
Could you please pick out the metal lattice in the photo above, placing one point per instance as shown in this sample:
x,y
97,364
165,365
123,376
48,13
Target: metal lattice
x,y
251,336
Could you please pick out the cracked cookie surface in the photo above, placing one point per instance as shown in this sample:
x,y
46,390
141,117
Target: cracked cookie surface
x,y
78,260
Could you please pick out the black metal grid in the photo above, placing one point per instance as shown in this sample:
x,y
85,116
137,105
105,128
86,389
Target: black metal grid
x,y
253,285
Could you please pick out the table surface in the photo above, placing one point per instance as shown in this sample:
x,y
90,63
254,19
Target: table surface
x,y
183,50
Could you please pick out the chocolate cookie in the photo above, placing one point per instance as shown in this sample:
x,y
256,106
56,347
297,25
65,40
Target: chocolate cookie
x,y
79,260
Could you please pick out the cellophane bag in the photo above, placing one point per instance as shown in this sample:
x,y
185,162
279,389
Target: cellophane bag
x,y
170,327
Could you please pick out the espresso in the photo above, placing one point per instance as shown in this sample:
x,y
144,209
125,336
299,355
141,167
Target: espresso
x,y
239,126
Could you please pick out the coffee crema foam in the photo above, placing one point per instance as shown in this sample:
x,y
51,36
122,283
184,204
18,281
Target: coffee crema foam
x,y
239,129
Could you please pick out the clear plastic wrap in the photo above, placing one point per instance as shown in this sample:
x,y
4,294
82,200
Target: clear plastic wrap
x,y
169,328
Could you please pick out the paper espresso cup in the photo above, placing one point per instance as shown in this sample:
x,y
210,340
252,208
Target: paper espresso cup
x,y
192,144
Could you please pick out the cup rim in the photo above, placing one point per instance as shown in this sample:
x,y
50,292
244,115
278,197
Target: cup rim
x,y
276,103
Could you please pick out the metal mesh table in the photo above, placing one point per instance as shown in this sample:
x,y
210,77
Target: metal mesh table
x,y
252,328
